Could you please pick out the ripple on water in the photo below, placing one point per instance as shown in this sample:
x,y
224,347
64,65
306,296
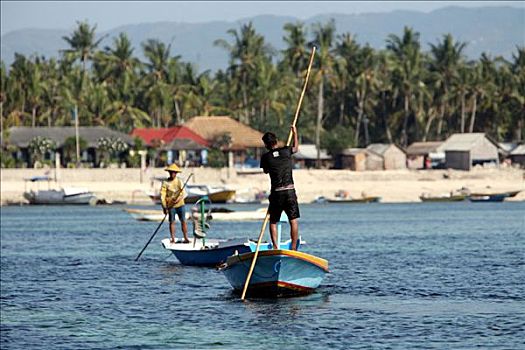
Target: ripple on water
x,y
401,276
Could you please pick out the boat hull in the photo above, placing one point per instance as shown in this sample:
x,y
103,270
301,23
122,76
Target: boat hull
x,y
443,199
158,215
277,273
52,197
500,197
356,200
219,197
215,197
215,252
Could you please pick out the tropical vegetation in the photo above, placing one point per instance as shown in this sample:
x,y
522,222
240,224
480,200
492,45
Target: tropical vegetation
x,y
357,94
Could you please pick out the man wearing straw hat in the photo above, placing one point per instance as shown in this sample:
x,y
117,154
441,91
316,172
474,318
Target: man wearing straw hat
x,y
278,163
172,199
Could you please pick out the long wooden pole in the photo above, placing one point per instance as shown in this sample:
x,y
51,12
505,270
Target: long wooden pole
x,y
164,218
267,217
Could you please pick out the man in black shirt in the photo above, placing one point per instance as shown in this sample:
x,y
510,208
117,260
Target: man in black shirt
x,y
278,163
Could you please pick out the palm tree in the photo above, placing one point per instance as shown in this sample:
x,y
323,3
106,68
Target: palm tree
x,y
461,89
406,75
3,95
366,85
34,88
323,39
482,85
51,90
83,43
518,72
384,87
447,57
295,55
345,72
246,50
157,55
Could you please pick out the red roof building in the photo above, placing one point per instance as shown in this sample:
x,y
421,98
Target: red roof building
x,y
167,135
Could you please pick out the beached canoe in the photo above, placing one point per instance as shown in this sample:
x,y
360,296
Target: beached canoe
x,y
444,198
213,252
369,199
276,273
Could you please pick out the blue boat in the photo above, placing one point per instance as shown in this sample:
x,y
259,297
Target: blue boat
x,y
492,197
213,252
495,197
277,273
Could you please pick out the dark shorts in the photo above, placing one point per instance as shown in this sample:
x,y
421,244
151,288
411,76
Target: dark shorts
x,y
283,201
180,212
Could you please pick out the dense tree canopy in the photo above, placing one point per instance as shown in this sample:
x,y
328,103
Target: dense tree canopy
x,y
358,95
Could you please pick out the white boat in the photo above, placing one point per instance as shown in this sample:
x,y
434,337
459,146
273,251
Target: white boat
x,y
66,195
216,214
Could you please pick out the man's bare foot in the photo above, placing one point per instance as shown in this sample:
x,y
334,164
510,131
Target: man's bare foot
x,y
186,241
173,240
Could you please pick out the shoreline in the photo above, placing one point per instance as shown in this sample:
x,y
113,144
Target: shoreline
x,y
393,186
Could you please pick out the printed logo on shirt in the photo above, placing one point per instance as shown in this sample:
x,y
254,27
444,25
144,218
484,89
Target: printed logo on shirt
x,y
275,154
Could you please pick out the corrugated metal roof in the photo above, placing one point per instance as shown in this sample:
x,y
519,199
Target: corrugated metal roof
x,y
378,148
21,136
352,151
309,152
422,148
242,136
462,142
520,150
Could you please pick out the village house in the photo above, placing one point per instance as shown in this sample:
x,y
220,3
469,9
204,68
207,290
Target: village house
x,y
179,143
240,143
385,157
517,156
352,158
463,151
306,157
21,137
424,155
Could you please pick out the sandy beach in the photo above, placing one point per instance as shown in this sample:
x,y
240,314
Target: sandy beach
x,y
392,186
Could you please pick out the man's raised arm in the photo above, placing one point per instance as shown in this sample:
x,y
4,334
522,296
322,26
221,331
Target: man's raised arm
x,y
295,146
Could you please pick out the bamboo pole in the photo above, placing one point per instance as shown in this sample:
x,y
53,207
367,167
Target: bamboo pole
x,y
267,216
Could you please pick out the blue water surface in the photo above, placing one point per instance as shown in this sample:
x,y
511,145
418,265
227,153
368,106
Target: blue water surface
x,y
403,276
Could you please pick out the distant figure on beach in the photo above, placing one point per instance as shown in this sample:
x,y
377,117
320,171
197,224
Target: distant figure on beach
x,y
172,199
278,163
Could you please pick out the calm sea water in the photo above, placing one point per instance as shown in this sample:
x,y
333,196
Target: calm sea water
x,y
403,276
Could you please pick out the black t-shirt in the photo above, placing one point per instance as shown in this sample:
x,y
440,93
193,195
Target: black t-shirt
x,y
278,163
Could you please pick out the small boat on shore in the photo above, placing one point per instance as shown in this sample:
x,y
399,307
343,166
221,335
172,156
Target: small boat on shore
x,y
63,196
442,198
60,196
488,197
344,197
369,199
